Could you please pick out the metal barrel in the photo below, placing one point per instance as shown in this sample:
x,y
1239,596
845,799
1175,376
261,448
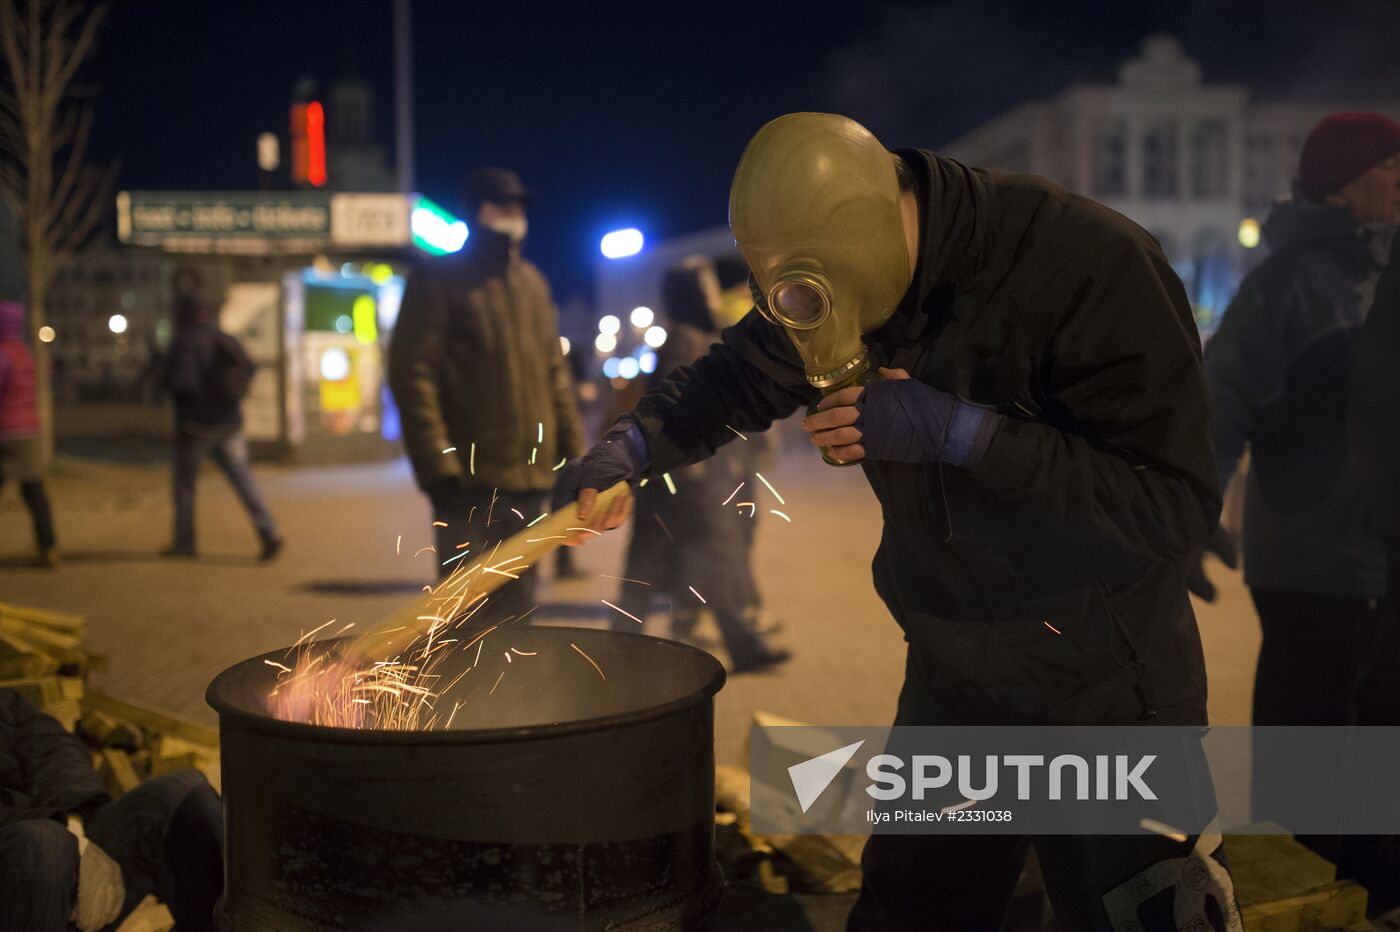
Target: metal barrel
x,y
563,797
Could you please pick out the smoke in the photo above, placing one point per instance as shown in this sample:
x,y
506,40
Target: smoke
x,y
921,75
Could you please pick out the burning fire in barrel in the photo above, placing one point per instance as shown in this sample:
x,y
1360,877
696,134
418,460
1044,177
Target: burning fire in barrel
x,y
563,780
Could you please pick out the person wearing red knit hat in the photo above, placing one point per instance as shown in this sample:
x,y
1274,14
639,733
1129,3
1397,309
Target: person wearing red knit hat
x,y
1280,375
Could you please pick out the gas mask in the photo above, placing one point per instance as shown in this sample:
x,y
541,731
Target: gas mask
x,y
815,209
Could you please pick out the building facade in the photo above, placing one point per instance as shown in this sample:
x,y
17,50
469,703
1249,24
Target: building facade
x,y
1191,162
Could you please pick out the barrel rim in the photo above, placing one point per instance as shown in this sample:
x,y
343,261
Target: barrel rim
x,y
227,709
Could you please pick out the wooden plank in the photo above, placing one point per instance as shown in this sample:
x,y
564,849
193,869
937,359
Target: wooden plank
x,y
118,773
1270,867
1327,908
152,720
59,621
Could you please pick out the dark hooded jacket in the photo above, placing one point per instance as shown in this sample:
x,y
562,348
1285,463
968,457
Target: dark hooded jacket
x,y
191,370
1067,319
1280,370
1374,413
45,772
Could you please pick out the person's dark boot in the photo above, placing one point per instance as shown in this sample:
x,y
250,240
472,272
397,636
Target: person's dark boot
x,y
271,547
763,659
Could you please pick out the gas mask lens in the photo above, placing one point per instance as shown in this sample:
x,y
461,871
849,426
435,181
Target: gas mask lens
x,y
799,304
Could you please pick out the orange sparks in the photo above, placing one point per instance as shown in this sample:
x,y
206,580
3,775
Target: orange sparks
x,y
1052,627
774,511
509,658
625,611
697,595
737,434
525,653
588,529
273,663
423,550
770,488
518,514
624,579
589,659
753,509
497,683
398,546
732,494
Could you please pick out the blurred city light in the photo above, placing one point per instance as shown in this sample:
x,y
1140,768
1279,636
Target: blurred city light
x,y
365,313
642,317
344,324
435,230
647,361
380,272
1249,233
564,345
627,368
335,364
622,243
46,334
605,343
609,324
610,366
116,323
655,336
269,152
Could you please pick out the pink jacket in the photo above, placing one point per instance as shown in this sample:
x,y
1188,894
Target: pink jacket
x,y
19,411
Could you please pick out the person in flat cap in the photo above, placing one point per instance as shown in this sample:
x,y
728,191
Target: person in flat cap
x,y
486,399
1280,374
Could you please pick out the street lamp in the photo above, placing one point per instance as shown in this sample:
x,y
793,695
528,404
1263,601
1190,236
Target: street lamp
x,y
655,337
605,343
642,317
609,324
1249,233
116,323
622,243
46,334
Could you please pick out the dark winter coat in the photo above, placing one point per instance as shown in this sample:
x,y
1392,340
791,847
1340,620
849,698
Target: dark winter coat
x,y
1067,318
1375,413
1280,370
19,410
476,364
192,372
45,772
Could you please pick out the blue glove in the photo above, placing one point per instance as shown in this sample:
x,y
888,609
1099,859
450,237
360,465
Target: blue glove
x,y
906,421
620,454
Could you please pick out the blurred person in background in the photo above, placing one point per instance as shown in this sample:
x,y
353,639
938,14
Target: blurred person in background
x,y
71,856
477,371
698,535
208,373
1374,438
1280,371
565,560
21,446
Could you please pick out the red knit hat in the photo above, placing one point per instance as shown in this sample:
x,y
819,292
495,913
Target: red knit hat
x,y
1343,147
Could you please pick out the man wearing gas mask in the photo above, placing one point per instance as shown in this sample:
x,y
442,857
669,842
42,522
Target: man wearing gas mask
x,y
1017,371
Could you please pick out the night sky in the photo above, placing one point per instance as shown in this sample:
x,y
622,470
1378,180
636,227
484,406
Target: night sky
x,y
635,114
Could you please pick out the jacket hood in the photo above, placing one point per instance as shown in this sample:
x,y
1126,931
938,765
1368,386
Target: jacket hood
x,y
1298,221
11,320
